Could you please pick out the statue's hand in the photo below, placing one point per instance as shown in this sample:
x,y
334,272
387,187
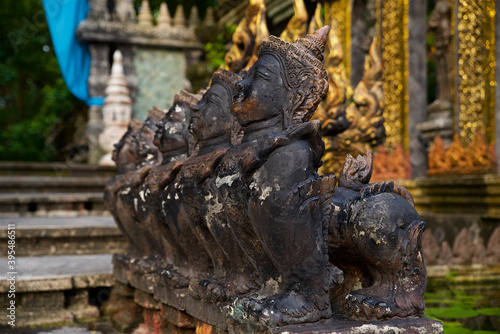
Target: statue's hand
x,y
356,172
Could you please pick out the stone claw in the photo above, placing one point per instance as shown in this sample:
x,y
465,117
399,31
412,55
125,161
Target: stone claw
x,y
363,306
287,308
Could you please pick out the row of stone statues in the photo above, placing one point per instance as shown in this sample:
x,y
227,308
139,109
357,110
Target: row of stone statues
x,y
221,196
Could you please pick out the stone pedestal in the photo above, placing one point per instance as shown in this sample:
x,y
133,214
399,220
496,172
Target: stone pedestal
x,y
166,308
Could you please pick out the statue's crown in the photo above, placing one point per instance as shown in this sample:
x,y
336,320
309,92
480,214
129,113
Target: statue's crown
x,y
135,125
303,69
305,52
315,42
186,97
226,78
155,115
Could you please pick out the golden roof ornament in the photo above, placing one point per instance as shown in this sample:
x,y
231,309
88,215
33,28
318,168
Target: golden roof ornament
x,y
352,120
247,38
297,26
317,20
359,125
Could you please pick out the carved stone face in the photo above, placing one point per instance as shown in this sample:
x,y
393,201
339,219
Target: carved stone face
x,y
386,226
170,136
124,156
145,149
211,117
262,94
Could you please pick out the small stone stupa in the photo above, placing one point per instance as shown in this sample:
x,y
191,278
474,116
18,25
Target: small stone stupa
x,y
117,111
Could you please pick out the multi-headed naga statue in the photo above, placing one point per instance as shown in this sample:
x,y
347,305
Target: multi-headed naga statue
x,y
246,222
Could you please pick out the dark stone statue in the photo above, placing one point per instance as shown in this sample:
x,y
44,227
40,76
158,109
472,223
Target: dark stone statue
x,y
234,213
133,155
375,238
282,205
211,126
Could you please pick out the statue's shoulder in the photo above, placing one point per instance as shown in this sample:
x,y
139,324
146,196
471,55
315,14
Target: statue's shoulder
x,y
200,167
304,136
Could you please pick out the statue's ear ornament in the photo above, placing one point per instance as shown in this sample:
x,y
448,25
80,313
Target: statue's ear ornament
x,y
294,101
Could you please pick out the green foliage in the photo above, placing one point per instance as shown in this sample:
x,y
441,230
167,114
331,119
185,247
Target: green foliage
x,y
216,50
463,307
451,276
26,140
454,312
33,96
490,311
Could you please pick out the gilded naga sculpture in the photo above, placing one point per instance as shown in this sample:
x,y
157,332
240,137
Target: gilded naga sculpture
x,y
233,212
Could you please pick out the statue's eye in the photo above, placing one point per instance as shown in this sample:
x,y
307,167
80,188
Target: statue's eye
x,y
262,75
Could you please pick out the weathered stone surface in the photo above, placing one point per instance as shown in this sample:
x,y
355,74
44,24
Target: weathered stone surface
x,y
153,323
128,318
41,316
68,236
49,307
45,184
146,300
178,318
410,326
199,309
43,204
57,273
35,301
57,169
77,301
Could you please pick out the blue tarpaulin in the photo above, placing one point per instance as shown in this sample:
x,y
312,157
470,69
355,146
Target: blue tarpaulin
x,y
63,17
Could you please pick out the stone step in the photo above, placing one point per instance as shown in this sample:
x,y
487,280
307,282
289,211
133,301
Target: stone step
x,y
11,168
54,289
37,236
52,184
51,204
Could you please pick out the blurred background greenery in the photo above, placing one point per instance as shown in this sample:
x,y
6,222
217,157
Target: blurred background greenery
x,y
40,119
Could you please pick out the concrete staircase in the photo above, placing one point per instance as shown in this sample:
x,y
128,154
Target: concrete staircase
x,y
64,241
52,189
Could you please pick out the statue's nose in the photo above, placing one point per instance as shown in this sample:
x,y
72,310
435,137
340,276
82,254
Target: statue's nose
x,y
240,85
